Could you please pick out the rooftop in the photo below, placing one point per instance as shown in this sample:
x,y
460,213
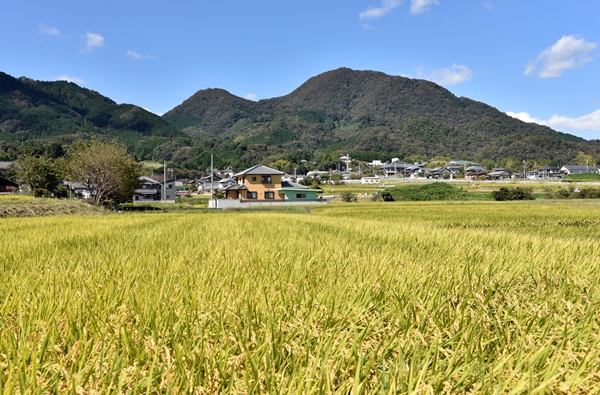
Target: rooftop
x,y
259,170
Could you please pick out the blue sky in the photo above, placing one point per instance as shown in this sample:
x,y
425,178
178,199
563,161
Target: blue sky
x,y
534,59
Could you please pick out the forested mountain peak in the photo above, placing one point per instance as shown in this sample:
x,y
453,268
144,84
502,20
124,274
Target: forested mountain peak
x,y
371,114
40,112
368,114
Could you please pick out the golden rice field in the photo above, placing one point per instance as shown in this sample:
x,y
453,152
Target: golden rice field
x,y
419,298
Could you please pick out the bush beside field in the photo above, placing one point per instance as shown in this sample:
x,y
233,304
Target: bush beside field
x,y
426,192
518,193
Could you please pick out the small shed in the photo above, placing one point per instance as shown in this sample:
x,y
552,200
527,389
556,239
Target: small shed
x,y
7,185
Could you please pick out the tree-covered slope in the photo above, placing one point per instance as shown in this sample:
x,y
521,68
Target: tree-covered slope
x,y
367,112
37,111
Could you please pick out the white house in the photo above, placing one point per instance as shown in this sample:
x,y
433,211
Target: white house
x,y
370,180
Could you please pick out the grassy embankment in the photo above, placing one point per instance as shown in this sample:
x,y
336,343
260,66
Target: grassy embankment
x,y
448,297
26,206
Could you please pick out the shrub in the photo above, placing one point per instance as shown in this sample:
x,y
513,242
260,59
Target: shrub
x,y
589,193
433,191
387,196
218,194
575,193
517,193
41,192
349,197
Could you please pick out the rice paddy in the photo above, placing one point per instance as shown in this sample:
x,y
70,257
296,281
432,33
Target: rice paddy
x,y
463,297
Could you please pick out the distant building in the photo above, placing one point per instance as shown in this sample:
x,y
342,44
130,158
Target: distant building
x,y
578,169
370,180
7,185
151,191
78,189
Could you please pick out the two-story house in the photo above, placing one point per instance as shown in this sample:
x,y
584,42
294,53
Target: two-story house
x,y
152,191
263,183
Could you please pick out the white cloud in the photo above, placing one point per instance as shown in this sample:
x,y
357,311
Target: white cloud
x,y
250,96
420,6
93,40
377,12
139,56
588,122
525,117
134,54
448,76
69,78
160,114
567,53
49,30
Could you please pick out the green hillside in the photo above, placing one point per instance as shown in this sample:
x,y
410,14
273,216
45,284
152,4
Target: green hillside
x,y
369,115
39,113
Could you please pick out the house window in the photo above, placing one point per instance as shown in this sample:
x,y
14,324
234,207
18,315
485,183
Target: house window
x,y
269,195
266,179
253,178
301,196
251,195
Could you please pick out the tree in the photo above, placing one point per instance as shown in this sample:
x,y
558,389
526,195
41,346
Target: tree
x,y
584,159
517,193
41,173
349,197
106,169
282,165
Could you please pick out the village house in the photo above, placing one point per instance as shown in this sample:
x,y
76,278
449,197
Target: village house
x,y
8,185
578,169
548,172
77,189
498,174
262,185
151,191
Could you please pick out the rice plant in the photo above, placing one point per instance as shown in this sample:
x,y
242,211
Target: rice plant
x,y
350,298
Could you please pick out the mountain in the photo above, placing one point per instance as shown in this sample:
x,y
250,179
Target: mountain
x,y
40,112
368,114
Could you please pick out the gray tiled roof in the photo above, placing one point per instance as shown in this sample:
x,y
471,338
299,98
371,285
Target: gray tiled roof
x,y
236,187
579,167
289,184
148,180
260,170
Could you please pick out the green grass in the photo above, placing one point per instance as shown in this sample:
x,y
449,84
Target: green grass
x,y
452,297
581,177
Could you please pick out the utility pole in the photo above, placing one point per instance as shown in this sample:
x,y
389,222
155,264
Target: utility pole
x,y
212,193
164,194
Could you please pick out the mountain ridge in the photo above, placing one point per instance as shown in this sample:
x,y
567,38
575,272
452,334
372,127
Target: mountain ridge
x,y
60,111
370,111
370,114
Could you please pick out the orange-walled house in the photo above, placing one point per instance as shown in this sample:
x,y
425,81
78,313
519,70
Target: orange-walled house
x,y
263,183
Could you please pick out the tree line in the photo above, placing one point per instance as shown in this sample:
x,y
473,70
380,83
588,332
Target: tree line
x,y
106,169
